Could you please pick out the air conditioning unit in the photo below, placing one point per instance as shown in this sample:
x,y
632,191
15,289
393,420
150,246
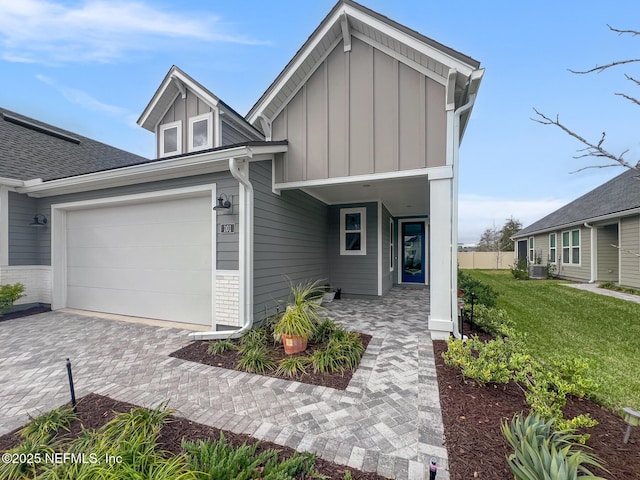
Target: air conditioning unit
x,y
537,272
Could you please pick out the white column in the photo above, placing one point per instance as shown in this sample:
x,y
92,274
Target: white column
x,y
4,225
440,317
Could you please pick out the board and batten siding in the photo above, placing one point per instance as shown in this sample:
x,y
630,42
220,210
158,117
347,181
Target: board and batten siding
x,y
354,274
629,245
183,109
362,112
290,241
231,135
608,261
35,249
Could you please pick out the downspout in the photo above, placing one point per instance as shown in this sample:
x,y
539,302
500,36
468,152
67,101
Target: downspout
x,y
454,204
240,171
594,256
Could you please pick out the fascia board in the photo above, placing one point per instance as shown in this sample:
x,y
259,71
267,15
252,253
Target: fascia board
x,y
11,182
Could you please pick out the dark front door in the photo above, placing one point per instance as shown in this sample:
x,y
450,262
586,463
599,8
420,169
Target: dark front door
x,y
522,250
413,264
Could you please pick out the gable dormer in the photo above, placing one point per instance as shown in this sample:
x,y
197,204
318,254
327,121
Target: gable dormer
x,y
188,118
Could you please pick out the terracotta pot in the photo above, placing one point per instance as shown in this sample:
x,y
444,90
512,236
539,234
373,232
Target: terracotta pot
x,y
293,344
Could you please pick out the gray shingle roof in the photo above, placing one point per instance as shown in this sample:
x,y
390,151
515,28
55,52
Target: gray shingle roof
x,y
616,196
28,152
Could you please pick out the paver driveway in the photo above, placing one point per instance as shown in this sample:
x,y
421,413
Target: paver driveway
x,y
388,420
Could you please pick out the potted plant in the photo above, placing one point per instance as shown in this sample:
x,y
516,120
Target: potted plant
x,y
300,317
329,293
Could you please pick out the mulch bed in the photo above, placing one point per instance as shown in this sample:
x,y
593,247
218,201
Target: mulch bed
x,y
93,411
197,352
24,313
472,415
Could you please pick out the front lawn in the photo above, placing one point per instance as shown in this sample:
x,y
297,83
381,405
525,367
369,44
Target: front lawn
x,y
560,321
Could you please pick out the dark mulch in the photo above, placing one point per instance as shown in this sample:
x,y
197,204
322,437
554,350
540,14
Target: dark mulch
x,y
472,415
197,352
24,313
95,410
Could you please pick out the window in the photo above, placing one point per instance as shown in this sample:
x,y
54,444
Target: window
x,y
552,247
532,250
353,231
201,132
571,247
171,139
391,252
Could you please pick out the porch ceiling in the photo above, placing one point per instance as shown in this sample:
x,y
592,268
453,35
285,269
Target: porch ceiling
x,y
402,196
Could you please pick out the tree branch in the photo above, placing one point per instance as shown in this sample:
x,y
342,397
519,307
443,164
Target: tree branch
x,y
591,149
622,32
629,77
631,99
600,68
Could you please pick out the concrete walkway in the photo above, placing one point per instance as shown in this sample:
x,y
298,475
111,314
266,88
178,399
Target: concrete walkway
x,y
593,288
388,420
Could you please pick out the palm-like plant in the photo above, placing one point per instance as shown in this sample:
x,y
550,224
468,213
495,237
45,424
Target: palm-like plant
x,y
302,313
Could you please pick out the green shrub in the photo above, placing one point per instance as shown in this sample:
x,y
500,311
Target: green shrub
x,y
520,270
542,453
293,366
494,321
483,293
348,347
46,425
324,331
255,338
256,360
220,346
328,360
9,294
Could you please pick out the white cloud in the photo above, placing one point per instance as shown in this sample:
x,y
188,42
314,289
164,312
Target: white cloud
x,y
99,31
476,213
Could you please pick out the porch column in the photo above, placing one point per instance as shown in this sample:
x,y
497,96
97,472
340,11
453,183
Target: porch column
x,y
441,256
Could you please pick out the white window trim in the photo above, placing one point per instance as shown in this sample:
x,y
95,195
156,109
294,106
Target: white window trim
x,y
555,249
392,252
198,118
167,126
531,250
571,247
363,231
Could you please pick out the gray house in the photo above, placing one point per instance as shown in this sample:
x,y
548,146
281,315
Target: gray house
x,y
594,238
345,170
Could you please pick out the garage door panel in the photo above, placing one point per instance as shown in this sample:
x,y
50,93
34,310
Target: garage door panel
x,y
163,306
151,259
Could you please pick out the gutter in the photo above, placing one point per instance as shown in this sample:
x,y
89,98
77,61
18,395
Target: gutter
x,y
475,76
240,171
594,253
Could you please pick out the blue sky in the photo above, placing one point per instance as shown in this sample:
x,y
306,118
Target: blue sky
x,y
92,66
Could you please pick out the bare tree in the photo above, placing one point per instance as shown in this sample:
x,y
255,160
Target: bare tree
x,y
596,148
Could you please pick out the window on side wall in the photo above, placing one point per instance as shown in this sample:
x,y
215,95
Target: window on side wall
x,y
571,247
552,247
353,231
171,139
201,132
532,250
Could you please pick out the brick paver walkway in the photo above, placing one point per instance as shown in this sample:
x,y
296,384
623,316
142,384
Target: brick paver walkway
x,y
388,420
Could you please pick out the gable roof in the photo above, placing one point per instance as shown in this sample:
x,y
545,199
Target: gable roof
x,y
174,84
348,18
32,149
617,197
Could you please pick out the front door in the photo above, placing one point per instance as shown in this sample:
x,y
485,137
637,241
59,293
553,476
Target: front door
x,y
413,264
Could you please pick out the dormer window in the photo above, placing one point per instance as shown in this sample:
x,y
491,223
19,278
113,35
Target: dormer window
x,y
171,139
201,132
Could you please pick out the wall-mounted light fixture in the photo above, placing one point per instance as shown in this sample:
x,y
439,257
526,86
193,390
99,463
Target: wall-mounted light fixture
x,y
223,202
39,220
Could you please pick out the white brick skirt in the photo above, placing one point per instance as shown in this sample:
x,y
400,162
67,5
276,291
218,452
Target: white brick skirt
x,y
35,278
227,298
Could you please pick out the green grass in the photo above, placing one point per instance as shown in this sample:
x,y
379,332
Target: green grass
x,y
561,322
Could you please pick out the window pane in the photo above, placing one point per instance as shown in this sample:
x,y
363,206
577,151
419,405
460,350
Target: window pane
x,y
552,240
565,239
531,242
352,241
200,133
552,255
575,255
352,221
565,255
171,140
575,238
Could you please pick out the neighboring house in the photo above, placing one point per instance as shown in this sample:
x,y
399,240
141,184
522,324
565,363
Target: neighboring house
x,y
344,170
593,238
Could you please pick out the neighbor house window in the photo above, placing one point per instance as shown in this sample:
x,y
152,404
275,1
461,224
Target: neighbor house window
x,y
552,247
353,231
201,132
391,252
171,139
571,247
532,250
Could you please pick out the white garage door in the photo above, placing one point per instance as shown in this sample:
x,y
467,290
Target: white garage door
x,y
148,259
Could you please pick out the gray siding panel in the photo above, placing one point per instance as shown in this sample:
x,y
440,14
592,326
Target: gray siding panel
x,y
290,241
231,136
25,242
227,245
630,244
608,261
580,272
354,274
